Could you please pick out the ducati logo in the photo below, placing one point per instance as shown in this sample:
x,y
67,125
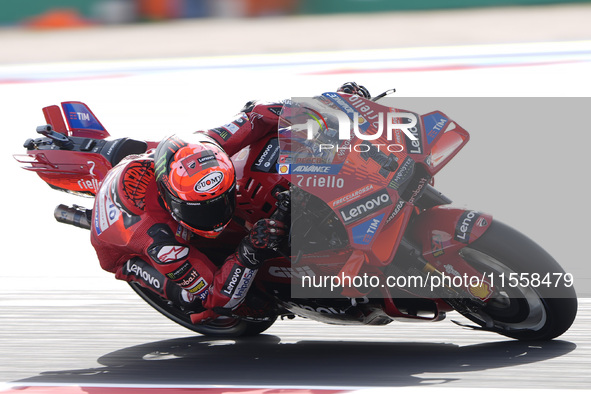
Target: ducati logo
x,y
482,222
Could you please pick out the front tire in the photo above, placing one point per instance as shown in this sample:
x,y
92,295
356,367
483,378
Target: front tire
x,y
541,312
222,327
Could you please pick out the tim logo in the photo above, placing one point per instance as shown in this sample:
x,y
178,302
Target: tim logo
x,y
79,116
365,232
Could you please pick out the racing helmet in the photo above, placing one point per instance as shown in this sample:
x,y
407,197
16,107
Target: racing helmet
x,y
197,182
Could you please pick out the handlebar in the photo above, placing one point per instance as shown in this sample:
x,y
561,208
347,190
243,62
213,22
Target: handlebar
x,y
283,211
59,139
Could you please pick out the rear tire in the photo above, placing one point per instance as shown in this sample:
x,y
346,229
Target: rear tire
x,y
222,327
526,313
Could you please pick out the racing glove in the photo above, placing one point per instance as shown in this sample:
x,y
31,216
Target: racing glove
x,y
354,88
265,235
235,277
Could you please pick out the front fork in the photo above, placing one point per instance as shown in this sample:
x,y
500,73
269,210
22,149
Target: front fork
x,y
431,249
436,284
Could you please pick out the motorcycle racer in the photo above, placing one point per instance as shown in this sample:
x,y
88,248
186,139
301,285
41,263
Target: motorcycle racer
x,y
170,205
150,206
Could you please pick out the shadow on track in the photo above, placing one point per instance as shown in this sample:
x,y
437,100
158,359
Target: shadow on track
x,y
263,360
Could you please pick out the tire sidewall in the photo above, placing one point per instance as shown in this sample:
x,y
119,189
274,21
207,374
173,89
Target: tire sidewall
x,y
522,255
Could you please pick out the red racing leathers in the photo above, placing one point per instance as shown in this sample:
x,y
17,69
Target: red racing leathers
x,y
136,238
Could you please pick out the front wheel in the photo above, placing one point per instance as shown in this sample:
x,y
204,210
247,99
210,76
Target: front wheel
x,y
222,327
538,311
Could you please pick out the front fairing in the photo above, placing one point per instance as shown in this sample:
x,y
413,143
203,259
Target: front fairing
x,y
367,162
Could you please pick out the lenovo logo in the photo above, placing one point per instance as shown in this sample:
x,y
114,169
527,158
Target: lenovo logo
x,y
365,207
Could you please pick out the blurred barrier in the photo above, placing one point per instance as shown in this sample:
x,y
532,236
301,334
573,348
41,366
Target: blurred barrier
x,y
36,12
57,19
167,9
333,6
66,13
74,13
12,12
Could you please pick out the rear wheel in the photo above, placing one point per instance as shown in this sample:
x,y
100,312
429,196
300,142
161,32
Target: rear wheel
x,y
222,327
538,311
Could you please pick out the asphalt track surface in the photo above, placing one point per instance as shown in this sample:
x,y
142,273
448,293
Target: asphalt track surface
x,y
65,322
111,338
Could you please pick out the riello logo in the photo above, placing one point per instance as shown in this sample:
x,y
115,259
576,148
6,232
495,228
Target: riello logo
x,y
363,115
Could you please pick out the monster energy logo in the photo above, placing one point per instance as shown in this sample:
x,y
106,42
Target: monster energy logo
x,y
160,167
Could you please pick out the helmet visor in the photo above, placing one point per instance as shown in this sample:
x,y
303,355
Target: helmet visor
x,y
205,216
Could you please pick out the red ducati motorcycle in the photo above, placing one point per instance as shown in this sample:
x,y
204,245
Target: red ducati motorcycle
x,y
371,241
